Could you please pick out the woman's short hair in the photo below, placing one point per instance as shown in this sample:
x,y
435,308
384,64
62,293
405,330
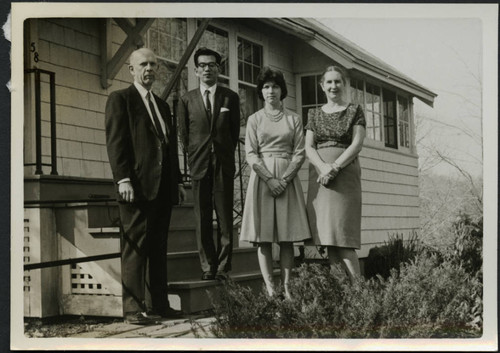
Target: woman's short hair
x,y
335,69
207,52
267,74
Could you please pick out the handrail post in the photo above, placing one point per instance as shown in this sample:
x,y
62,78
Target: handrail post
x,y
38,124
53,136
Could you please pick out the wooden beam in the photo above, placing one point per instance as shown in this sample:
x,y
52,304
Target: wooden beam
x,y
132,42
185,57
124,24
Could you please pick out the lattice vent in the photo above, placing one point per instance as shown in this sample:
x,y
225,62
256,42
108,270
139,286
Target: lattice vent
x,y
84,283
26,255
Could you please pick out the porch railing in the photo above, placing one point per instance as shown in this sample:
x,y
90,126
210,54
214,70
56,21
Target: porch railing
x,y
38,121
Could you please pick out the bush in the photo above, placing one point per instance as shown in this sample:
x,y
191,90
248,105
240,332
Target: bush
x,y
424,299
467,249
382,259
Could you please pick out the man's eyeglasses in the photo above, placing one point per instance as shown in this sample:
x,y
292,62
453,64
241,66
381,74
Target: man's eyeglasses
x,y
210,65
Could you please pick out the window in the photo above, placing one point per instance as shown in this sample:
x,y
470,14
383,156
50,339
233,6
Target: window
x,y
369,99
249,66
218,40
373,111
167,37
312,95
404,122
390,119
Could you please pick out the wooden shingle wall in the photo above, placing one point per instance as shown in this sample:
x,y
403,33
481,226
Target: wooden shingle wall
x,y
71,49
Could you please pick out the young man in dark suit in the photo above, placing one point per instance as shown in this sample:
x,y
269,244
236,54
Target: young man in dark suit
x,y
142,148
209,123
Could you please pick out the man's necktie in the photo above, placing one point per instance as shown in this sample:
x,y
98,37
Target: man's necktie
x,y
208,105
155,118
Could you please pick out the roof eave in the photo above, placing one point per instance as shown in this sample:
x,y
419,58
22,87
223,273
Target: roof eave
x,y
318,39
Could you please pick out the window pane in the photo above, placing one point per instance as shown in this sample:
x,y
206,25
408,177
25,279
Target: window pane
x,y
257,55
369,100
376,119
249,102
376,98
376,132
308,90
247,73
240,70
256,71
153,41
168,37
250,55
247,52
390,127
369,119
403,109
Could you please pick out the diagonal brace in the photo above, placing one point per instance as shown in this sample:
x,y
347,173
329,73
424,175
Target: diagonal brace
x,y
185,57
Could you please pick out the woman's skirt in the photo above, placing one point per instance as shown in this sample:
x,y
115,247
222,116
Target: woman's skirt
x,y
334,210
269,219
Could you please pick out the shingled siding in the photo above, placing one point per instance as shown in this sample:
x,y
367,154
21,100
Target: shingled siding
x,y
390,195
71,49
389,184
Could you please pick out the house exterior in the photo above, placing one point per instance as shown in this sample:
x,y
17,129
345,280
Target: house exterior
x,y
68,190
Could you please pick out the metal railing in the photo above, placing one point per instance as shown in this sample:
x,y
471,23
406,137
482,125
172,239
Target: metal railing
x,y
38,121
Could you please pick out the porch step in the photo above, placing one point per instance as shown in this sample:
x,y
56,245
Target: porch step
x,y
182,215
183,237
184,266
195,295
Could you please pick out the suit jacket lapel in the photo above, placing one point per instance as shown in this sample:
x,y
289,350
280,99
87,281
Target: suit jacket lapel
x,y
200,105
218,98
164,116
140,111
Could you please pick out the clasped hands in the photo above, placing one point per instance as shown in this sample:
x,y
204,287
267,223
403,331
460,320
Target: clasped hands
x,y
277,186
327,173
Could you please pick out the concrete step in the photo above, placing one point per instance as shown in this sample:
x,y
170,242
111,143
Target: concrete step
x,y
184,266
195,295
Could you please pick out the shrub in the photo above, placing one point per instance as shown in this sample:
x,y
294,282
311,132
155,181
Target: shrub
x,y
382,259
425,299
467,249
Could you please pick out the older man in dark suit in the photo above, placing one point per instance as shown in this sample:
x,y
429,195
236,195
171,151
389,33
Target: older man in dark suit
x,y
209,123
142,148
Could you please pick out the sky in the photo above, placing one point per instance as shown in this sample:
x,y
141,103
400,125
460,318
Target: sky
x,y
445,56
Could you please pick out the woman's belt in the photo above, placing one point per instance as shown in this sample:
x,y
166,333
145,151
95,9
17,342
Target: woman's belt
x,y
331,144
285,155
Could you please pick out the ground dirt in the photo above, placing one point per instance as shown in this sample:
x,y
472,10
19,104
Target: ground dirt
x,y
65,326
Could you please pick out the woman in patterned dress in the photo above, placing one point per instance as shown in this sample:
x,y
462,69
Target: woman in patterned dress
x,y
274,206
334,138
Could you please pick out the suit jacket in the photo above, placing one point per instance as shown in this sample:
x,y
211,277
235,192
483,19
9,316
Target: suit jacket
x,y
198,133
134,147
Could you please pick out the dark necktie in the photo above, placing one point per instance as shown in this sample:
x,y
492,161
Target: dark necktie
x,y
208,105
155,118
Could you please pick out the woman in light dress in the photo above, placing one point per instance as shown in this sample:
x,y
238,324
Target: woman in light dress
x,y
334,138
274,205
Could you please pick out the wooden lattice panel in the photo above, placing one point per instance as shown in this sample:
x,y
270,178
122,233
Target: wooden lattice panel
x,y
26,255
84,283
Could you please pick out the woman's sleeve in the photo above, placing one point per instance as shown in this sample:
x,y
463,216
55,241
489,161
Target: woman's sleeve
x,y
252,150
359,118
299,152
